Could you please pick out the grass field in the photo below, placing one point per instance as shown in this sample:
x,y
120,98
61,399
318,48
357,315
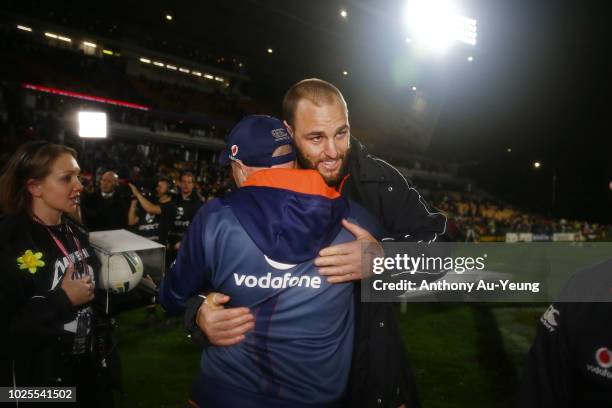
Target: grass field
x,y
463,355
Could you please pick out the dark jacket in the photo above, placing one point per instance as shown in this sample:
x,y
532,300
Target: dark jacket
x,y
380,373
101,213
569,362
36,347
268,233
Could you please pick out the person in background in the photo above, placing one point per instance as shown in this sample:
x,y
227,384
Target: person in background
x,y
152,219
55,332
107,207
187,205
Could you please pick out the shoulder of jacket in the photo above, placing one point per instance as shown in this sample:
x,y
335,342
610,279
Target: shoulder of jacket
x,y
77,226
12,228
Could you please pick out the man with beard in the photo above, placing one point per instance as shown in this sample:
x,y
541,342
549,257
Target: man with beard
x,y
316,115
106,208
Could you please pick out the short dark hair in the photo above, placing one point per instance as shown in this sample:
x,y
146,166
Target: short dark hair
x,y
188,174
31,161
315,90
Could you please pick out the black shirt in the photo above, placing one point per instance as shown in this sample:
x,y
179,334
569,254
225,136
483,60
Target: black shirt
x,y
156,227
186,209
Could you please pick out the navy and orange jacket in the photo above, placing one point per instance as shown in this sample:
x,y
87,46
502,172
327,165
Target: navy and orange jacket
x,y
257,245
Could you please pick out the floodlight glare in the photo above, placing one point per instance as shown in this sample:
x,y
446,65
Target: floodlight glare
x,y
92,124
436,24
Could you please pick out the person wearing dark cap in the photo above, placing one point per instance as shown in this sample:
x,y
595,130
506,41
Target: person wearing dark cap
x,y
316,116
257,246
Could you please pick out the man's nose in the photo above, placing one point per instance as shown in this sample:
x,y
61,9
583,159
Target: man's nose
x,y
331,149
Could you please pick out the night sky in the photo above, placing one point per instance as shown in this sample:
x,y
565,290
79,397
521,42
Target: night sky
x,y
539,83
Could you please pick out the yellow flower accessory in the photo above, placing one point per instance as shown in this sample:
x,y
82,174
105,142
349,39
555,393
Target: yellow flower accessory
x,y
30,261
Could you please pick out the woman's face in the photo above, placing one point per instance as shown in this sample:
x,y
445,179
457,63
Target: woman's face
x,y
61,189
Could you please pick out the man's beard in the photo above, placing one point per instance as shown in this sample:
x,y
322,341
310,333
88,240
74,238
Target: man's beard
x,y
304,163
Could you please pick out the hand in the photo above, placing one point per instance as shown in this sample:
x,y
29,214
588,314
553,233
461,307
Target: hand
x,y
223,327
133,188
79,291
344,262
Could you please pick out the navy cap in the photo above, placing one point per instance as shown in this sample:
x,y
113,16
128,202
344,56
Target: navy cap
x,y
253,141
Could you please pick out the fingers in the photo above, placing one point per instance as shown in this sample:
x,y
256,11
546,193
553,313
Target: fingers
x,y
69,274
214,316
236,331
229,325
86,279
340,249
229,342
331,260
215,300
225,327
355,229
349,277
335,270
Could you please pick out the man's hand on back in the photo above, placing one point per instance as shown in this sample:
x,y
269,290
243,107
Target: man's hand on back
x,y
345,262
223,327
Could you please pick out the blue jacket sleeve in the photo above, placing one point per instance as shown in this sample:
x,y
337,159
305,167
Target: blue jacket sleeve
x,y
188,275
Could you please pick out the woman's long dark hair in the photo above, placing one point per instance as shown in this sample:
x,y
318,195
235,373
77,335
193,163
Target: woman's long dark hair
x,y
31,161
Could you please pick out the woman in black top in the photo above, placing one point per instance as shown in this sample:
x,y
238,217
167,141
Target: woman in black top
x,y
54,334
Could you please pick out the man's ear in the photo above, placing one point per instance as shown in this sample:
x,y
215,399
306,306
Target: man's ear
x,y
289,128
34,188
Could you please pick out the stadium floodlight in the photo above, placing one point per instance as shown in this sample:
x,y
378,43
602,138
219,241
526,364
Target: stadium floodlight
x,y
437,24
208,76
270,50
414,88
145,60
509,150
219,79
172,67
196,73
159,64
51,35
64,39
24,28
89,44
408,40
169,17
92,124
343,13
108,52
470,58
537,165
184,70
345,73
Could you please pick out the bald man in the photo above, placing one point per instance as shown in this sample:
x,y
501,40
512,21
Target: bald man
x,y
107,207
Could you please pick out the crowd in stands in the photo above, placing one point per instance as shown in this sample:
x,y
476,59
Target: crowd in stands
x,y
471,218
